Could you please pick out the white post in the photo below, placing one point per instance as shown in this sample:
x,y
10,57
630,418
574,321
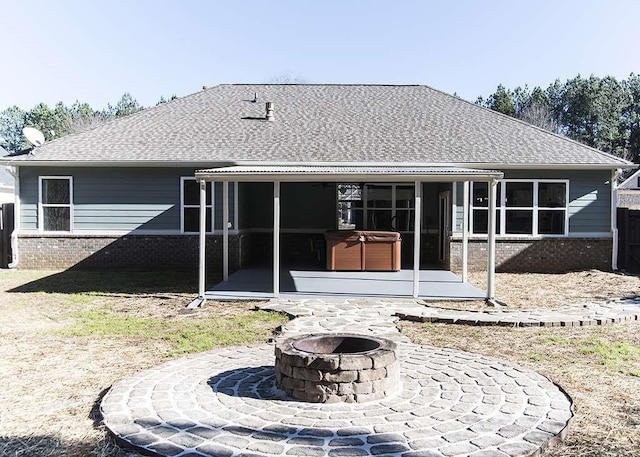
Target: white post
x,y
614,218
491,241
203,238
276,239
417,227
465,232
225,230
236,217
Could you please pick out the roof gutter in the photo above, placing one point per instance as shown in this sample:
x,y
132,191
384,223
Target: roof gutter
x,y
294,173
481,165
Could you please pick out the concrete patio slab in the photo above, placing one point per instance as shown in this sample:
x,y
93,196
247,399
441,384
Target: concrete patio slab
x,y
258,283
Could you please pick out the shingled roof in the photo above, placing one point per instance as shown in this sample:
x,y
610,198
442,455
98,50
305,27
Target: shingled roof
x,y
320,124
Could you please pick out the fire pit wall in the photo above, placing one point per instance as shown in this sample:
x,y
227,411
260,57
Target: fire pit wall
x,y
337,368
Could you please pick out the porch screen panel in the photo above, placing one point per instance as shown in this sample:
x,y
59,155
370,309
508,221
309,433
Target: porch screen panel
x,y
379,207
404,218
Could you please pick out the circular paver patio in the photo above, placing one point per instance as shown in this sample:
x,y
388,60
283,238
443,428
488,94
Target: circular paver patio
x,y
224,403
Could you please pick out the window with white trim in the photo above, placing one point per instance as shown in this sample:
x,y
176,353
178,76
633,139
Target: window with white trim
x,y
523,207
55,205
190,206
376,206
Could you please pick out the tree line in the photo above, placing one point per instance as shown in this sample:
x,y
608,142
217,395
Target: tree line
x,y
61,120
600,112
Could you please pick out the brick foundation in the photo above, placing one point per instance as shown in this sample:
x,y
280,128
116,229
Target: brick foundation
x,y
130,252
180,252
547,255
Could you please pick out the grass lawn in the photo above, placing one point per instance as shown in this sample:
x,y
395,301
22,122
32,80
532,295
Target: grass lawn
x,y
65,338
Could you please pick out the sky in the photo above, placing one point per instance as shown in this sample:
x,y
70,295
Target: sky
x,y
94,51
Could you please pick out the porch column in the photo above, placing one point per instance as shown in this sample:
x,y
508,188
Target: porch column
x,y
225,230
276,239
417,228
491,241
203,239
465,232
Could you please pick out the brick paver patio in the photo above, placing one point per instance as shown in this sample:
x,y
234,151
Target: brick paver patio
x,y
225,403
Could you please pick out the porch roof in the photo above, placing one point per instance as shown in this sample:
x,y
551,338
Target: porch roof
x,y
342,173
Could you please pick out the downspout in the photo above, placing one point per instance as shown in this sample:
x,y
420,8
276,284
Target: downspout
x,y
16,217
614,218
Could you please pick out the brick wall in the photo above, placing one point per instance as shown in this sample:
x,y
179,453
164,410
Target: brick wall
x,y
545,255
130,252
180,252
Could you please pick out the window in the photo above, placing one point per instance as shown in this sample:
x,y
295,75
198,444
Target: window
x,y
552,208
480,207
523,207
518,208
349,206
190,206
55,208
376,207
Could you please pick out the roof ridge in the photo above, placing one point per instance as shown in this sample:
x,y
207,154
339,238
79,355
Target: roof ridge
x,y
321,84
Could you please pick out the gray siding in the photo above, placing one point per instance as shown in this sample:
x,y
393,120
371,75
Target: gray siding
x,y
590,207
148,199
459,208
589,197
118,199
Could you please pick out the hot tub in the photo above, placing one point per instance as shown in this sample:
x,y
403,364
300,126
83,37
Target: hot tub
x,y
358,250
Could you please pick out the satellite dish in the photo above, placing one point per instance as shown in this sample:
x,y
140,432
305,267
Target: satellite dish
x,y
33,136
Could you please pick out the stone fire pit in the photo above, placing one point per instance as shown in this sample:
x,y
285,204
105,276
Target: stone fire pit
x,y
330,368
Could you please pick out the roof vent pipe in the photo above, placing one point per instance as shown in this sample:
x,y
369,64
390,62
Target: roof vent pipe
x,y
269,107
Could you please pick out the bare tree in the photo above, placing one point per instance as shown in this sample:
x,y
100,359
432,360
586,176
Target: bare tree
x,y
540,116
77,124
286,78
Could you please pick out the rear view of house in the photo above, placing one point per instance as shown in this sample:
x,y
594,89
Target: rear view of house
x,y
240,176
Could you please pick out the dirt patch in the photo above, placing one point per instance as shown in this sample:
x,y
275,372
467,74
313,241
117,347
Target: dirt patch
x,y
540,290
52,384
